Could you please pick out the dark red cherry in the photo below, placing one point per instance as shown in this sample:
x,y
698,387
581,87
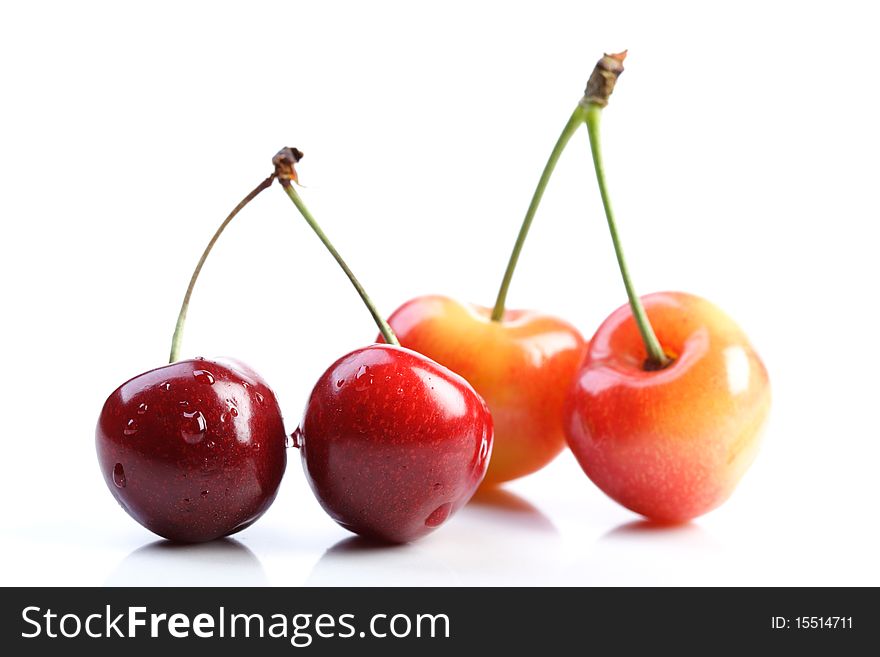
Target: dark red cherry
x,y
393,444
194,450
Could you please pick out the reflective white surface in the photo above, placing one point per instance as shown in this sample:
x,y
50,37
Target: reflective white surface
x,y
741,150
554,529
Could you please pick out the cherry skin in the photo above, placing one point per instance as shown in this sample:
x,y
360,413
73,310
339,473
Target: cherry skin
x,y
523,366
194,450
393,444
670,444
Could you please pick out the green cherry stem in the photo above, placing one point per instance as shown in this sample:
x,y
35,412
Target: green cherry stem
x,y
177,339
574,122
284,162
595,98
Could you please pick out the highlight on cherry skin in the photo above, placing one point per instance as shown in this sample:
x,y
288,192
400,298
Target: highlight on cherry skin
x,y
392,443
670,443
194,450
522,364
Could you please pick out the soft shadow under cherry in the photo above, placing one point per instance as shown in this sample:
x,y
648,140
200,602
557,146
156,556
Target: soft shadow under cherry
x,y
650,530
359,561
224,562
510,506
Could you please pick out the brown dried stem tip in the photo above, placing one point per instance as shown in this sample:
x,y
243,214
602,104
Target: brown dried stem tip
x,y
285,162
601,82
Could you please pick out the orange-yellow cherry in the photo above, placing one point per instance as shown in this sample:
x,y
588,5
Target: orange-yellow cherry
x,y
671,443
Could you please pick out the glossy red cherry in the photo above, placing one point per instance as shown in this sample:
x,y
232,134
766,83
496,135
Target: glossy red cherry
x,y
393,443
194,450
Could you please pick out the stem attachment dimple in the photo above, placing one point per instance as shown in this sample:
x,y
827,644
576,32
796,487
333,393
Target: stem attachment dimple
x,y
285,161
177,338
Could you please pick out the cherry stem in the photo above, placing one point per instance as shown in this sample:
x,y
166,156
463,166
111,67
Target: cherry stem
x,y
177,339
384,328
577,118
657,358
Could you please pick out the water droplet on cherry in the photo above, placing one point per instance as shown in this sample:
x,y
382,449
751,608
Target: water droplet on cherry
x,y
340,383
259,398
119,475
194,427
131,428
142,409
400,391
203,376
363,378
166,386
233,411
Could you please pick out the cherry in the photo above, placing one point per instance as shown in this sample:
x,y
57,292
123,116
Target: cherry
x,y
667,409
670,443
194,450
392,443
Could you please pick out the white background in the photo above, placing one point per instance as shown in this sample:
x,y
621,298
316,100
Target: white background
x,y
742,152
